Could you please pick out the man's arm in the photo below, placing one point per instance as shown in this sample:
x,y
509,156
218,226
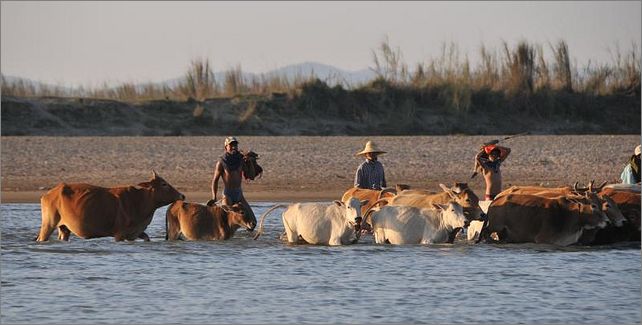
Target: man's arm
x,y
357,177
482,159
478,156
383,176
217,174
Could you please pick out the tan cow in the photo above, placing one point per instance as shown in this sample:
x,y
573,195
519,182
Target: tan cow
x,y
369,195
522,218
91,211
201,222
459,193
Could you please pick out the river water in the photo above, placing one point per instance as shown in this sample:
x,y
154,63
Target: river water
x,y
267,281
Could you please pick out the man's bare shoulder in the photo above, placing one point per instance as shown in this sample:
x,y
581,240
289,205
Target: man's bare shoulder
x,y
219,166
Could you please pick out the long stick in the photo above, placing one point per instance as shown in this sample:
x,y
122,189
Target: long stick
x,y
515,135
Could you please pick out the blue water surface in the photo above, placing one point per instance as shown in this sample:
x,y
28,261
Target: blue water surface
x,y
268,281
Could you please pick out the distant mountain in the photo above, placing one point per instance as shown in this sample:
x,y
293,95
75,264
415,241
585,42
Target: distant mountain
x,y
327,73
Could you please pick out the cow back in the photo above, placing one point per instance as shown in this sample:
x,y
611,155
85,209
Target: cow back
x,y
372,196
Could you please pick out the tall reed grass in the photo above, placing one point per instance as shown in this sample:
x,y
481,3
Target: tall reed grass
x,y
515,71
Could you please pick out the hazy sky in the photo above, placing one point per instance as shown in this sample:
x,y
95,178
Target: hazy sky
x,y
89,43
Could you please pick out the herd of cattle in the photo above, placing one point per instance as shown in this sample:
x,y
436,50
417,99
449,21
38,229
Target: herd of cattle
x,y
592,215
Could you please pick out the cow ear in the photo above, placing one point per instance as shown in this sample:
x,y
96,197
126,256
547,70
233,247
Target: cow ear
x,y
338,203
449,191
225,207
145,184
364,202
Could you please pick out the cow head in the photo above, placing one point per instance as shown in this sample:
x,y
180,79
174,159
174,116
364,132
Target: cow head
x,y
610,208
452,215
162,192
251,168
352,211
592,216
466,198
236,216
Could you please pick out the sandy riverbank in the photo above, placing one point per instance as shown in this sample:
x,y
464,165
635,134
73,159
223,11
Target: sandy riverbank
x,y
300,168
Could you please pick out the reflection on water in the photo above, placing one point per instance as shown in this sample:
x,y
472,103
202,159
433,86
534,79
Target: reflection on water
x,y
268,281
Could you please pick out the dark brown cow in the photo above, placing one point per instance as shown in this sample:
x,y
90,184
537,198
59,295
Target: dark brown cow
x,y
91,211
201,222
629,203
522,218
371,196
610,234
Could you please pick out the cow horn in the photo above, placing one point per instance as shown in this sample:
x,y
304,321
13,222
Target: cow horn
x,y
387,190
590,186
599,188
154,175
575,186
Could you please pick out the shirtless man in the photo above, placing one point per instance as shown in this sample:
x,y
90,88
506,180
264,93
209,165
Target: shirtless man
x,y
490,159
228,167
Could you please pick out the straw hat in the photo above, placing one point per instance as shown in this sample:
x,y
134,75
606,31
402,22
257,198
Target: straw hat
x,y
637,150
371,147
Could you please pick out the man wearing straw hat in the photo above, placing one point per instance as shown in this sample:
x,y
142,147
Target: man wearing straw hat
x,y
370,174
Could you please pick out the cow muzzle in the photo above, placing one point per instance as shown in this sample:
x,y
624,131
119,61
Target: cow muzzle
x,y
250,226
357,224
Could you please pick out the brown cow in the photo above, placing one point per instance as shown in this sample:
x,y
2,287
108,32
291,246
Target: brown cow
x,y
610,234
91,211
459,193
201,222
629,203
369,195
523,218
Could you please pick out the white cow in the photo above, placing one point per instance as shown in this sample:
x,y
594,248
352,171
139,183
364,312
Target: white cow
x,y
400,225
335,223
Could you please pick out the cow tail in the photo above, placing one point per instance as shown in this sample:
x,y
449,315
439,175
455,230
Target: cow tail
x,y
260,231
167,213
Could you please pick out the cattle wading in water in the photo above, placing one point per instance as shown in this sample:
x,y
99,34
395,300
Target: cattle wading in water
x,y
91,211
335,223
399,225
522,218
459,193
201,222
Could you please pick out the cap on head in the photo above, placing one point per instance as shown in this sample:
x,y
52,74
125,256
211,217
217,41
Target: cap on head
x,y
371,147
637,150
229,140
